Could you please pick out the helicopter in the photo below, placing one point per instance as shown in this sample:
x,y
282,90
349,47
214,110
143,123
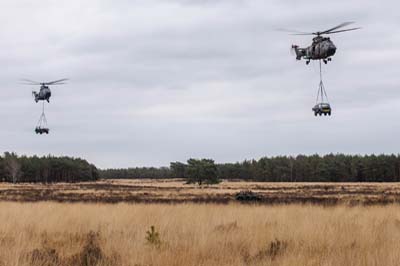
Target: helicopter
x,y
45,93
322,48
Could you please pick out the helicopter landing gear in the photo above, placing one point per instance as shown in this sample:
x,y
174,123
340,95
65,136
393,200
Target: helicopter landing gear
x,y
327,60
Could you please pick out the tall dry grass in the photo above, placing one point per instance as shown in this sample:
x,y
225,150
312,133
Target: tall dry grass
x,y
190,234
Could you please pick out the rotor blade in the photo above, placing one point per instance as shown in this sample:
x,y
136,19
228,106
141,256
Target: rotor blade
x,y
337,27
342,30
31,82
313,33
54,82
293,31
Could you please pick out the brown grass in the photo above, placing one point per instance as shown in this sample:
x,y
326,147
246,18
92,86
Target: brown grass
x,y
176,191
75,224
80,234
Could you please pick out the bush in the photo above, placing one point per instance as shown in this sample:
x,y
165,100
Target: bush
x,y
247,196
153,237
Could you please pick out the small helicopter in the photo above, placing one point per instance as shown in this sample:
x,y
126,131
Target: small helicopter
x,y
322,48
45,93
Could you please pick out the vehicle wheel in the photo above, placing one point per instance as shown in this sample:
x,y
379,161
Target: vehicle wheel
x,y
315,113
329,113
325,114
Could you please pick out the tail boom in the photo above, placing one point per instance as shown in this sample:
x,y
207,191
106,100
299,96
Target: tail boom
x,y
300,52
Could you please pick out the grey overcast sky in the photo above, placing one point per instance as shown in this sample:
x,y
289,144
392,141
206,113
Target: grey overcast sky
x,y
158,81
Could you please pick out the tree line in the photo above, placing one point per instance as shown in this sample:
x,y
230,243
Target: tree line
x,y
137,173
302,168
45,169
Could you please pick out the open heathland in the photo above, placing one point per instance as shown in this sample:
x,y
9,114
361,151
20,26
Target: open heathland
x,y
177,191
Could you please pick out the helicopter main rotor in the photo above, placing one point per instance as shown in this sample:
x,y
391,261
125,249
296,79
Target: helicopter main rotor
x,y
319,33
55,82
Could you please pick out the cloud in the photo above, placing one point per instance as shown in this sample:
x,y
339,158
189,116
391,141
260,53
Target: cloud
x,y
158,81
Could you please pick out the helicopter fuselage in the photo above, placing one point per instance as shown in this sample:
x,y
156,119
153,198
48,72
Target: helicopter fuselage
x,y
322,48
43,95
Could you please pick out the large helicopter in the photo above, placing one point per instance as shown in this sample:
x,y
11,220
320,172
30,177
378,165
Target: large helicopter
x,y
45,93
322,48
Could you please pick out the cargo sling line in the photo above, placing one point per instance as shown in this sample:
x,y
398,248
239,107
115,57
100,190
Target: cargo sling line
x,y
42,123
321,89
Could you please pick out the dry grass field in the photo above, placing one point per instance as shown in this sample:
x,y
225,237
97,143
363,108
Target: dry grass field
x,y
176,191
109,223
81,234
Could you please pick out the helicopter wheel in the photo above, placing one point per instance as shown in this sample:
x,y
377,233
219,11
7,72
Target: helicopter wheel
x,y
325,61
307,62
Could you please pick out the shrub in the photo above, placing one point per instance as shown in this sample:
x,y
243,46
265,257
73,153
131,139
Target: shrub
x,y
153,237
247,196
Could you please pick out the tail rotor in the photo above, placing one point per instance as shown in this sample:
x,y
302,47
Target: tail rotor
x,y
35,96
298,52
293,49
